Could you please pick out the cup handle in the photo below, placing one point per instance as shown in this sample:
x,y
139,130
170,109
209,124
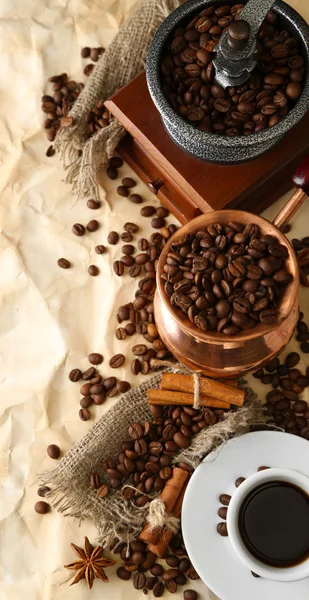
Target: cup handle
x,y
300,179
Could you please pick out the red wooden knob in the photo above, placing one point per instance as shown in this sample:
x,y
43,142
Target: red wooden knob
x,y
300,177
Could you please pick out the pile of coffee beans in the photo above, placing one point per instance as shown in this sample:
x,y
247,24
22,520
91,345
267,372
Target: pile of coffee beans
x,y
145,459
226,278
65,92
96,388
284,405
269,94
141,562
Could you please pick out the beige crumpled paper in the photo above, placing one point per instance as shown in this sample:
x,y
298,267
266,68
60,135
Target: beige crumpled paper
x,y
51,319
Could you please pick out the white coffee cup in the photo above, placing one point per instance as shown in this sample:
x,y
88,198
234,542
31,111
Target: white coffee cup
x,y
293,573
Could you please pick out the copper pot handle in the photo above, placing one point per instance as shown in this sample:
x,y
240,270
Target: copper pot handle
x,y
300,179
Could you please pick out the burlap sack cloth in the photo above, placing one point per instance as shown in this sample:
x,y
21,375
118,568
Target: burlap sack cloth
x,y
124,59
114,516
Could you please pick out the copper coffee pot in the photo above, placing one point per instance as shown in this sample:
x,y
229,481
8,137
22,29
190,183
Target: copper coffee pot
x,y
213,353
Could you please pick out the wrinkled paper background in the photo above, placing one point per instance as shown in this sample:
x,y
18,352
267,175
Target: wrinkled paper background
x,y
51,319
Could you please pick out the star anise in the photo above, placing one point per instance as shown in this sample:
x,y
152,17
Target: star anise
x,y
91,565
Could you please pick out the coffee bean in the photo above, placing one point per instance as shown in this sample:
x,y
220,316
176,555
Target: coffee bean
x,y
75,375
41,507
136,367
93,225
118,268
148,211
116,162
89,374
157,222
63,263
86,401
128,182
117,361
122,191
292,360
222,529
192,574
123,574
190,595
111,173
225,499
100,249
131,227
151,582
93,270
42,491
184,565
93,205
84,414
157,570
158,589
53,451
78,229
95,358
113,238
222,512
171,586
239,481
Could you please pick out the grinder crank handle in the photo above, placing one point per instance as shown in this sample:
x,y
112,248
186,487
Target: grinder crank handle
x,y
300,179
254,13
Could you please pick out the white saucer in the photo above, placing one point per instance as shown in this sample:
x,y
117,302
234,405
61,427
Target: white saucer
x,y
212,555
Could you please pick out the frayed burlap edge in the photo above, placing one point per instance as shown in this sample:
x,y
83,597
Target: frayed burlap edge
x,y
123,60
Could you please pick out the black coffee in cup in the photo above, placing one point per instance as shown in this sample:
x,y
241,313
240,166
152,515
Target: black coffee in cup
x,y
273,523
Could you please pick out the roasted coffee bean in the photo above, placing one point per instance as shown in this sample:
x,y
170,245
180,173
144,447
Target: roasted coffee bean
x,y
292,360
41,507
117,361
123,574
136,431
192,574
63,263
93,270
113,238
95,358
84,414
86,401
222,512
89,374
42,491
222,529
239,481
139,581
78,229
225,499
118,268
190,595
184,565
157,570
100,249
93,205
158,589
53,451
109,383
75,375
93,225
171,586
148,211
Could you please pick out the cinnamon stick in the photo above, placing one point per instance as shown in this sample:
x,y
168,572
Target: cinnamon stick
x,y
163,397
208,387
169,496
161,546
